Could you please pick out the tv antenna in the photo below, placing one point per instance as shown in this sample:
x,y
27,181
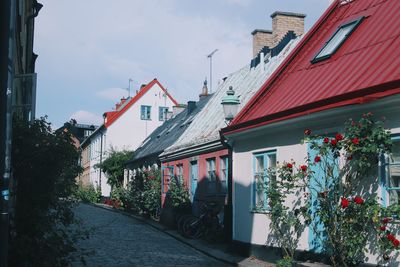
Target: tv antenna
x,y
210,57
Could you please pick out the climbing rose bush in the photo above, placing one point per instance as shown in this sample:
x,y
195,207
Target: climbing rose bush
x,y
335,203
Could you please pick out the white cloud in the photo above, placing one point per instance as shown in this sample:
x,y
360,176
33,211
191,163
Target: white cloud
x,y
86,117
113,94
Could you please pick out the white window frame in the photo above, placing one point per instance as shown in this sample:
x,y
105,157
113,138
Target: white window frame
x,y
261,179
145,113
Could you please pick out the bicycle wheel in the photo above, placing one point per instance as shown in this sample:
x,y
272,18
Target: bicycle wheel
x,y
179,224
191,227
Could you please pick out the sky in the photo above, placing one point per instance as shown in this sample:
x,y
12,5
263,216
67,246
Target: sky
x,y
89,49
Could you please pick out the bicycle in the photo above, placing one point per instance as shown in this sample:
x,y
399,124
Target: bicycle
x,y
206,225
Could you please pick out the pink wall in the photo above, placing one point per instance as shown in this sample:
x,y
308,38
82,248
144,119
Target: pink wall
x,y
202,167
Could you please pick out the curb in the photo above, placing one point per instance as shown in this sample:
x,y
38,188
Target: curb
x,y
216,254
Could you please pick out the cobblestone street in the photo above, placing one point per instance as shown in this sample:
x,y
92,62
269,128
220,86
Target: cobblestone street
x,y
119,240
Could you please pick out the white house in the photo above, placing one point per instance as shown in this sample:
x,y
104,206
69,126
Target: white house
x,y
346,65
127,126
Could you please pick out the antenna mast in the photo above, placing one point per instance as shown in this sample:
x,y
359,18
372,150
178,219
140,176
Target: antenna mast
x,y
210,57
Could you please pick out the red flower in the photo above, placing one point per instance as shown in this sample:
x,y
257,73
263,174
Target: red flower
x,y
326,140
344,202
333,142
358,200
350,157
396,243
390,237
307,131
355,141
386,220
339,137
289,165
317,159
303,168
382,228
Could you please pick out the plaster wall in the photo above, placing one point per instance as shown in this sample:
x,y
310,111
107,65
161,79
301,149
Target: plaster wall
x,y
129,130
253,228
202,183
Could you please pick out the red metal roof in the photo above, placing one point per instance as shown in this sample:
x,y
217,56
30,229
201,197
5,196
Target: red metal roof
x,y
114,115
366,67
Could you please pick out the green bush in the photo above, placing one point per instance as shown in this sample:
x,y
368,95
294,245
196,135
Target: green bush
x,y
178,194
88,194
45,164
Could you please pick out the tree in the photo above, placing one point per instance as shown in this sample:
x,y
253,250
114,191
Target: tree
x,y
114,166
45,165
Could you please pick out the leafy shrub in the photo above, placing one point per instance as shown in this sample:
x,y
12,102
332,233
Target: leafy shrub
x,y
45,165
88,194
178,194
344,219
113,166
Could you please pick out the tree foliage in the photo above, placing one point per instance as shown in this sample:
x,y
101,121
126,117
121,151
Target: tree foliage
x,y
45,165
114,166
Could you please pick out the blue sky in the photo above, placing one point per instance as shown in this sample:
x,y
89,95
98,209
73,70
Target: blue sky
x,y
88,49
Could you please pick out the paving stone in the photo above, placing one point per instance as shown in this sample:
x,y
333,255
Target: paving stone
x,y
119,240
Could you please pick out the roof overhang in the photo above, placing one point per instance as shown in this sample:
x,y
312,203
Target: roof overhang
x,y
192,151
385,105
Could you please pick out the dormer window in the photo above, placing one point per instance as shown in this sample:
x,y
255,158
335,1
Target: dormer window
x,y
336,40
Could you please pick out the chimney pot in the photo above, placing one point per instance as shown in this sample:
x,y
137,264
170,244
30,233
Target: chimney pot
x,y
204,91
191,105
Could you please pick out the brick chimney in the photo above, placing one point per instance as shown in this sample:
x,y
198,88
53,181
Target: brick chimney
x,y
282,22
261,38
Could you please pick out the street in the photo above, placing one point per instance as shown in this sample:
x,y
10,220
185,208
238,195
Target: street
x,y
119,240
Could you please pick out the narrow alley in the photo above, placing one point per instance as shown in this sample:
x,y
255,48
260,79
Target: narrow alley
x,y
119,240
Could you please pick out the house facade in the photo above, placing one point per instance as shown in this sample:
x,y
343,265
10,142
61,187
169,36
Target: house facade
x,y
79,132
147,154
199,156
132,121
345,66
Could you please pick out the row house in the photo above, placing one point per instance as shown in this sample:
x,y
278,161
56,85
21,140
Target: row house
x,y
79,132
348,64
132,121
147,154
199,157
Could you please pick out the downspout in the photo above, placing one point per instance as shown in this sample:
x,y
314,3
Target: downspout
x,y
8,8
101,156
229,212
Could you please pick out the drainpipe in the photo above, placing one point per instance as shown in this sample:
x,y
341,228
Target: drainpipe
x,y
229,216
7,19
101,155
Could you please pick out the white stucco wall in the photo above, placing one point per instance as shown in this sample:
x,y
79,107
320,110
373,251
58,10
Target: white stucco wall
x,y
129,130
253,228
96,155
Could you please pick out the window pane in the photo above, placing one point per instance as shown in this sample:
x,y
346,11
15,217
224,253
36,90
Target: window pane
x,y
394,175
272,167
335,41
259,164
394,196
395,155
